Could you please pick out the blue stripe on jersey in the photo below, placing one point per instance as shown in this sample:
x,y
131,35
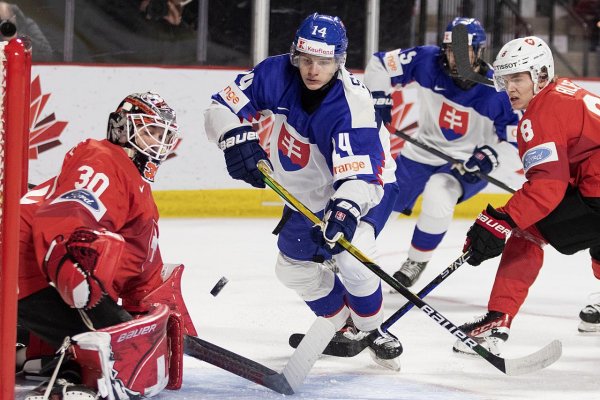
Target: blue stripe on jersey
x,y
331,304
366,306
426,241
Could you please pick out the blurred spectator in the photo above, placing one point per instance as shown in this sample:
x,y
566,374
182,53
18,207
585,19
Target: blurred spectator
x,y
42,51
134,31
173,11
590,12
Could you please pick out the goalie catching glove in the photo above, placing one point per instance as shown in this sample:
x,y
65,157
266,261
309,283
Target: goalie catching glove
x,y
82,268
487,236
341,219
242,152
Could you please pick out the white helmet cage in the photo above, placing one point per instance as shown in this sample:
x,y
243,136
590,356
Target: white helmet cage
x,y
529,54
145,123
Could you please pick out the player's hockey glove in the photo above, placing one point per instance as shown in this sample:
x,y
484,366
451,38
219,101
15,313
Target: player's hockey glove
x,y
487,236
341,219
242,152
383,106
483,160
82,268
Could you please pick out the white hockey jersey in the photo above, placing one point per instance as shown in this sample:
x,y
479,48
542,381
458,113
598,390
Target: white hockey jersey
x,y
451,119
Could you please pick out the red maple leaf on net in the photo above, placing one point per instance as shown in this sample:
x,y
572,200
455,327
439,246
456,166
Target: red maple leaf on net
x,y
43,131
400,111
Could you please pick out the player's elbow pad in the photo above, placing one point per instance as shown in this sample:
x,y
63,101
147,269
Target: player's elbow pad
x,y
82,268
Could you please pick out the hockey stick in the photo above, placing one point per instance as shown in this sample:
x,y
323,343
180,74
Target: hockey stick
x,y
460,48
533,362
286,382
453,160
350,348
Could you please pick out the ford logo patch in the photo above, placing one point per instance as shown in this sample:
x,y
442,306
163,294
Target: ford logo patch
x,y
536,156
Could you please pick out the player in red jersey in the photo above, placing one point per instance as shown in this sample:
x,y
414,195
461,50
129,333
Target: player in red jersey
x,y
90,266
559,144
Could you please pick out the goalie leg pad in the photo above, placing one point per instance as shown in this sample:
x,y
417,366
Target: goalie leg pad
x,y
169,293
131,359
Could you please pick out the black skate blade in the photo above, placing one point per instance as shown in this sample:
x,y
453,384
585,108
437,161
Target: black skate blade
x,y
336,347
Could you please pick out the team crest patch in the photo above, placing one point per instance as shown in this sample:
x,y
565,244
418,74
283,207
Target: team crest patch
x,y
86,198
540,154
454,123
293,153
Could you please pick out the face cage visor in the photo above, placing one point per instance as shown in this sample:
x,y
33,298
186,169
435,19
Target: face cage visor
x,y
500,83
295,54
151,135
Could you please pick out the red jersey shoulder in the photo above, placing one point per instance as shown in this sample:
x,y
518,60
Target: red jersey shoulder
x,y
100,176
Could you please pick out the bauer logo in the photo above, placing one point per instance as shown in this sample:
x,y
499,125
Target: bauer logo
x,y
86,198
539,154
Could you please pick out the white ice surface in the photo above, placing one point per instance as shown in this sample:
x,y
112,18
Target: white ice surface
x,y
254,314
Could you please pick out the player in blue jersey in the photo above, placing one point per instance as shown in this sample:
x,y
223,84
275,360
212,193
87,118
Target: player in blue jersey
x,y
328,150
465,120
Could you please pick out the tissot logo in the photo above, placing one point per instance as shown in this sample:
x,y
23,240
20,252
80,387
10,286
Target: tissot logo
x,y
506,66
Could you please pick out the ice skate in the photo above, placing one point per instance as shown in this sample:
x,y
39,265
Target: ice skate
x,y
62,390
489,330
409,272
385,348
590,317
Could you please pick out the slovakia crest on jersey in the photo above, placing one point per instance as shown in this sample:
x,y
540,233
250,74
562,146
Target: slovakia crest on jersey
x,y
454,123
292,149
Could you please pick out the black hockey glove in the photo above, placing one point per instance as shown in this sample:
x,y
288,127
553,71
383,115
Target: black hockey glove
x,y
242,152
383,106
341,219
487,236
484,160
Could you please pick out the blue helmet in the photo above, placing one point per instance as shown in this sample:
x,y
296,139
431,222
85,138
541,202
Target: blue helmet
x,y
475,31
320,35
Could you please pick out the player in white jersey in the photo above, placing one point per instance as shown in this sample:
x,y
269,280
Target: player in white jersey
x,y
465,120
328,150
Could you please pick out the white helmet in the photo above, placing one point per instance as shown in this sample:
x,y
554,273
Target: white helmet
x,y
529,54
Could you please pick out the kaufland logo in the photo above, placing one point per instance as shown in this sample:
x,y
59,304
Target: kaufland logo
x,y
315,48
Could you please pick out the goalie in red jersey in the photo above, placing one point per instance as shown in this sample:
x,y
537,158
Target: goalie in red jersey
x,y
91,269
559,144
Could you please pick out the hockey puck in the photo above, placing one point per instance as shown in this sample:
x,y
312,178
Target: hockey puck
x,y
219,286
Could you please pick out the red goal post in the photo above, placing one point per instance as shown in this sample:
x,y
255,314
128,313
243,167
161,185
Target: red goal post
x,y
15,63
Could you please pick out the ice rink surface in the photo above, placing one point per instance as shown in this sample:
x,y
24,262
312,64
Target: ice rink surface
x,y
254,315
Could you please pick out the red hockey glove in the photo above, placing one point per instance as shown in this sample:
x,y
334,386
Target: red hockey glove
x,y
487,236
82,268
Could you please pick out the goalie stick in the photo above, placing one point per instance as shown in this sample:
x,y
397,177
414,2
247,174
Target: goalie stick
x,y
452,160
532,362
286,382
460,48
349,348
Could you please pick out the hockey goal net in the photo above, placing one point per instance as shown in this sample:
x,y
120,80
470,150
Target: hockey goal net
x,y
15,65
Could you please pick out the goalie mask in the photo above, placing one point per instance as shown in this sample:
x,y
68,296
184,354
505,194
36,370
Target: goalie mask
x,y
477,41
529,54
146,127
320,35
